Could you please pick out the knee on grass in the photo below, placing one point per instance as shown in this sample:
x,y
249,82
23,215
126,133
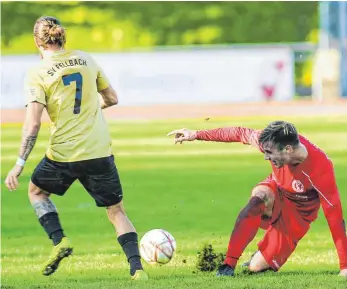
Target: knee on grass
x,y
258,264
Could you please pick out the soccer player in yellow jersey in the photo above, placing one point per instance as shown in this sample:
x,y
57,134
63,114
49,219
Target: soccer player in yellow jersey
x,y
66,83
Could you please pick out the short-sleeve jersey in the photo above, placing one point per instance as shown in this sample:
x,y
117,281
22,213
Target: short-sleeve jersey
x,y
67,83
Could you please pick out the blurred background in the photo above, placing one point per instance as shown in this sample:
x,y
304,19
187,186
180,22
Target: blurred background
x,y
189,52
200,65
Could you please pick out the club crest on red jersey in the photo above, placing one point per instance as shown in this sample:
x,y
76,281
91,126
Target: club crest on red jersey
x,y
298,186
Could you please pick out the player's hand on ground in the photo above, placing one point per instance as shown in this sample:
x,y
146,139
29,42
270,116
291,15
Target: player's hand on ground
x,y
343,273
183,134
11,181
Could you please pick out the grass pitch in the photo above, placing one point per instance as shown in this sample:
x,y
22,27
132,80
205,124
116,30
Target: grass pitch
x,y
194,191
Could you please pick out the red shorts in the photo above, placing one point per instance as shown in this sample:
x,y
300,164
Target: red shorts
x,y
290,221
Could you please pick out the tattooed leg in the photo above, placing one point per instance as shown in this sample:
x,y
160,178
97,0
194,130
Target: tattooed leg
x,y
43,207
46,213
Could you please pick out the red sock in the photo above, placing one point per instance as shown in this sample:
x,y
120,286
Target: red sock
x,y
246,227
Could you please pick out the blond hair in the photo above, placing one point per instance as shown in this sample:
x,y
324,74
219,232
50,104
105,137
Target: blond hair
x,y
48,31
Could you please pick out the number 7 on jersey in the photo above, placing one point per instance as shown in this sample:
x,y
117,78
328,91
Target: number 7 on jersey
x,y
77,77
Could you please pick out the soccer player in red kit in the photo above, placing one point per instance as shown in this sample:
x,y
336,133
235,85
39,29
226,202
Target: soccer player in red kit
x,y
286,202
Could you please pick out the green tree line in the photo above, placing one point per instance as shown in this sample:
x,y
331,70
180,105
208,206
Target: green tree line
x,y
116,26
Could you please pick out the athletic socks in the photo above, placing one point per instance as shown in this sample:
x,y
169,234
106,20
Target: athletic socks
x,y
246,227
129,243
50,222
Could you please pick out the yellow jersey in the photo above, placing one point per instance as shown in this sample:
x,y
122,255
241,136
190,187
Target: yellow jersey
x,y
67,83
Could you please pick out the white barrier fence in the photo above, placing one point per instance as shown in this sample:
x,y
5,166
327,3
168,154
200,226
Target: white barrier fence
x,y
178,76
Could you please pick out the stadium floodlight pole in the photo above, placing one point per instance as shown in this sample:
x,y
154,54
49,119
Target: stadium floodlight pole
x,y
317,79
343,47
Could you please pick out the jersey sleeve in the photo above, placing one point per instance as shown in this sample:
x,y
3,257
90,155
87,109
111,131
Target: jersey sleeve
x,y
231,134
330,200
34,89
101,79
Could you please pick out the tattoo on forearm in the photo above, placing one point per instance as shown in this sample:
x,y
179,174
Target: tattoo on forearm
x,y
28,143
43,207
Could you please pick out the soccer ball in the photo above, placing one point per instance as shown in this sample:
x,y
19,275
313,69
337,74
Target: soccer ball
x,y
157,247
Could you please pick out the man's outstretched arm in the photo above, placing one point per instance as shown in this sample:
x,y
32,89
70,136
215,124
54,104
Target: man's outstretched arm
x,y
230,134
227,134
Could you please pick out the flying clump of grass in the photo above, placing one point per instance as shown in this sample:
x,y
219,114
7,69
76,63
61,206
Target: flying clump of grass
x,y
207,259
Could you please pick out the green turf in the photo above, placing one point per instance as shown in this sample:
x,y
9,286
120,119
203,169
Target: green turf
x,y
194,191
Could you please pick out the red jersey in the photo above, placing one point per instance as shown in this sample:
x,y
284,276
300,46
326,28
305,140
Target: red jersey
x,y
316,172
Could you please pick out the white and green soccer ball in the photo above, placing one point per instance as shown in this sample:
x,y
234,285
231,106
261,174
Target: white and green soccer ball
x,y
157,247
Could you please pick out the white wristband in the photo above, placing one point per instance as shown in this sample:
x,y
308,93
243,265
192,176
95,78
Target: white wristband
x,y
20,162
